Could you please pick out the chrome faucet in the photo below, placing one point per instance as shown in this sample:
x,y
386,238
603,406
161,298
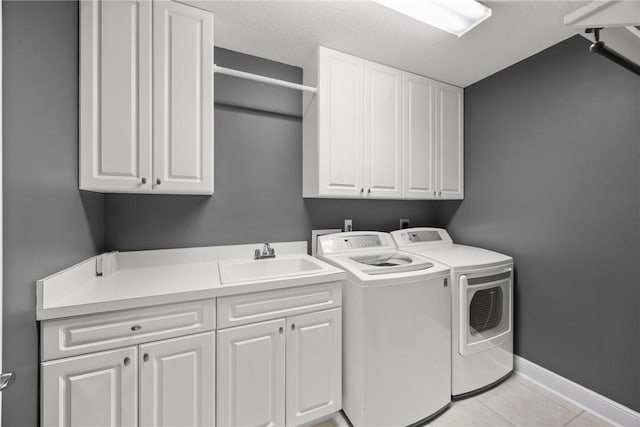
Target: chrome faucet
x,y
267,252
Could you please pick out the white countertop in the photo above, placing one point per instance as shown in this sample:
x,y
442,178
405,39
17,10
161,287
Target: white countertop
x,y
146,278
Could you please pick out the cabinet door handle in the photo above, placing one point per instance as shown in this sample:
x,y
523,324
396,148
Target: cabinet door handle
x,y
361,190
281,329
136,328
126,361
369,191
145,357
158,181
6,379
143,180
439,193
434,194
293,326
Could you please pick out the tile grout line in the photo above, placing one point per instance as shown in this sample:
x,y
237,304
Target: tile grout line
x,y
573,419
495,412
547,397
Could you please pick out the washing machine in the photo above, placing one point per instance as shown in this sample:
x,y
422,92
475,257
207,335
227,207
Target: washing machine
x,y
482,311
396,341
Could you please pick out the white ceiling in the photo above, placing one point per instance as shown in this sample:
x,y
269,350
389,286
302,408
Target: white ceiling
x,y
288,31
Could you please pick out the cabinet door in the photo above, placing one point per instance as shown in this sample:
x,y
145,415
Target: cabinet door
x,y
450,142
115,95
183,99
250,380
382,131
314,366
177,382
99,389
419,137
340,129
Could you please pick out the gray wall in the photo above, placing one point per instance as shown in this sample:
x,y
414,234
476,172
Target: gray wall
x,y
552,178
258,178
48,223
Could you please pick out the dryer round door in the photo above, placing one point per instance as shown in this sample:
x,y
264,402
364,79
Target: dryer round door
x,y
485,309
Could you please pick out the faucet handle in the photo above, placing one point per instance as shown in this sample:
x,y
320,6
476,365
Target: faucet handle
x,y
267,252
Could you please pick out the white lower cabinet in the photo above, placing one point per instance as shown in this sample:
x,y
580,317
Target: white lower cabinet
x,y
314,365
173,368
99,389
173,381
177,382
251,372
280,372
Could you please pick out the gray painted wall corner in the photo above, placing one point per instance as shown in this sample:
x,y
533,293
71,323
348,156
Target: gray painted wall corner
x,y
552,178
48,223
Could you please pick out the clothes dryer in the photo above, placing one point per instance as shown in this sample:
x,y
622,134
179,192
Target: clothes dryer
x,y
482,307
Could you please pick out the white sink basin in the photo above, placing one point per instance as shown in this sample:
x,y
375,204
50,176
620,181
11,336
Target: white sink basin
x,y
243,270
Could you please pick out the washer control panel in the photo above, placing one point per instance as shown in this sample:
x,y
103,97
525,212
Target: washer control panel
x,y
422,235
354,241
359,242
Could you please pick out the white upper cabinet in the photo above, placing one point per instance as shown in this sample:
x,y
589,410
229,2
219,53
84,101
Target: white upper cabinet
x,y
419,137
450,142
382,131
183,98
115,95
340,118
146,97
374,131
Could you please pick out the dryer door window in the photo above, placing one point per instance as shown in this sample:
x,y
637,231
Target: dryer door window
x,y
485,310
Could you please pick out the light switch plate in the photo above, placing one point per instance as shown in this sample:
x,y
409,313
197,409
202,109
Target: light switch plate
x,y
314,238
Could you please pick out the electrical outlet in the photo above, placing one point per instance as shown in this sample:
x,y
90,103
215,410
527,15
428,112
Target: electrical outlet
x,y
348,225
404,223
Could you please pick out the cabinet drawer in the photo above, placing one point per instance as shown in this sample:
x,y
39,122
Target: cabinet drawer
x,y
85,334
255,307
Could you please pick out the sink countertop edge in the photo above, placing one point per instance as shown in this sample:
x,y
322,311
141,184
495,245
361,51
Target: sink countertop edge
x,y
84,272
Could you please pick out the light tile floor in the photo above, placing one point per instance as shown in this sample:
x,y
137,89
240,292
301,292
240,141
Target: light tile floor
x,y
516,402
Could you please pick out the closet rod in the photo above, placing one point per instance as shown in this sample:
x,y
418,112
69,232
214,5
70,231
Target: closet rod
x,y
600,48
263,79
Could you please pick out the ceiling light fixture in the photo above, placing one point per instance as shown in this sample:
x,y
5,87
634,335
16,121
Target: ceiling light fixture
x,y
454,16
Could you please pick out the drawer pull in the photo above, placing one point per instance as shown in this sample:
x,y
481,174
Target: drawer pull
x,y
145,357
127,361
293,326
136,328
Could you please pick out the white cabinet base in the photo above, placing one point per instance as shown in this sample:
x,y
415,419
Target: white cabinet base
x,y
314,366
177,382
251,375
98,389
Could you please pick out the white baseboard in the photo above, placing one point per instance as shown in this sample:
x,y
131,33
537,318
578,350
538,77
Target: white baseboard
x,y
588,400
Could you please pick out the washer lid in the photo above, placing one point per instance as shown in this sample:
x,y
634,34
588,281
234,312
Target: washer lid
x,y
436,244
461,256
389,262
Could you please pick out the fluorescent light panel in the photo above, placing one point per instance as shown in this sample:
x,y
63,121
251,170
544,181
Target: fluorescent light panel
x,y
454,16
